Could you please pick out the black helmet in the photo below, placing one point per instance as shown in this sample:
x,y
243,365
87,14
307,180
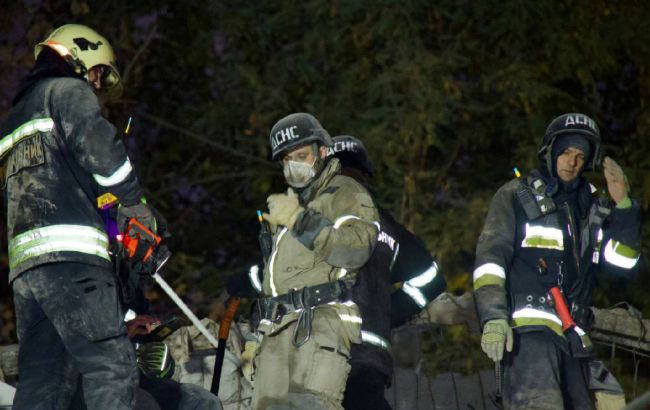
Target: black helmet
x,y
294,130
351,152
571,124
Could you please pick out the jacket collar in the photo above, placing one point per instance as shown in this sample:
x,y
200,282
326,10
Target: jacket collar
x,y
331,168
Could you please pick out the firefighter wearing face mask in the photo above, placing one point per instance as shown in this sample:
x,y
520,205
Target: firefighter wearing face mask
x,y
59,154
325,228
545,237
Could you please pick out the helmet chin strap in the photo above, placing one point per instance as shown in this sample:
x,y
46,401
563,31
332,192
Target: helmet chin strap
x,y
318,165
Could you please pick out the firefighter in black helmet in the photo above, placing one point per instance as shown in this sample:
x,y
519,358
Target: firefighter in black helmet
x,y
545,237
325,228
399,258
59,155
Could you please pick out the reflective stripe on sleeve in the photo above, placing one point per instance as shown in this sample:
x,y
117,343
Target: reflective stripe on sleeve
x,y
425,277
489,274
489,269
620,255
347,303
274,291
339,221
350,318
415,294
392,262
57,238
543,237
374,339
117,177
254,276
411,286
26,130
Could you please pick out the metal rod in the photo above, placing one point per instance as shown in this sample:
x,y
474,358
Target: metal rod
x,y
195,320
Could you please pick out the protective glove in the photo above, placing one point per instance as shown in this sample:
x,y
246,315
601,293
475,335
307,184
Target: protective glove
x,y
497,335
617,184
283,209
141,212
154,360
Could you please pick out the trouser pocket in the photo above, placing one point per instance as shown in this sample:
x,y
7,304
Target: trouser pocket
x,y
328,374
98,313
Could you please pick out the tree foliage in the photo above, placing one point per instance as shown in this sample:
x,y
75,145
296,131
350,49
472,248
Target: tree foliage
x,y
448,96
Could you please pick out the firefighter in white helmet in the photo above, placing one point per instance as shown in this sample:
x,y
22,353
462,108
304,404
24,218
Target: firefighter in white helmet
x,y
59,155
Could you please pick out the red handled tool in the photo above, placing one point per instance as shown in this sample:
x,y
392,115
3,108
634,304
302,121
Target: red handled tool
x,y
224,329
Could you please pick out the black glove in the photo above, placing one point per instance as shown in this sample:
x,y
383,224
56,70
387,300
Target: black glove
x,y
141,212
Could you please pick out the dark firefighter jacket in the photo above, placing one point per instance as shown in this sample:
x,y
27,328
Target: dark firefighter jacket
x,y
575,240
398,257
58,154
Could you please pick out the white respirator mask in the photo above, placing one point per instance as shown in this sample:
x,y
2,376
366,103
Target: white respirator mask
x,y
299,174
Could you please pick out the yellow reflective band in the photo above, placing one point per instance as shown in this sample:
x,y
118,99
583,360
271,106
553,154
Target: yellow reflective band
x,y
489,279
527,321
58,231
533,317
621,255
374,339
57,238
489,269
342,273
534,313
117,177
543,237
26,130
274,291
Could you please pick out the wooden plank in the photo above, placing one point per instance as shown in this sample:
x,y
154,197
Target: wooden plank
x,y
469,392
425,395
443,388
488,386
9,360
405,384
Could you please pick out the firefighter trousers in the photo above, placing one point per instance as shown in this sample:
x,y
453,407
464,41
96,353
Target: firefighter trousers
x,y
70,313
539,375
311,376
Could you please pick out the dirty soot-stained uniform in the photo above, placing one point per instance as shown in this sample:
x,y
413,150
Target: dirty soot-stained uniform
x,y
548,367
59,154
303,358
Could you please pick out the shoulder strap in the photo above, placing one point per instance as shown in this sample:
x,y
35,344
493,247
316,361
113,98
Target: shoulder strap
x,y
531,194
